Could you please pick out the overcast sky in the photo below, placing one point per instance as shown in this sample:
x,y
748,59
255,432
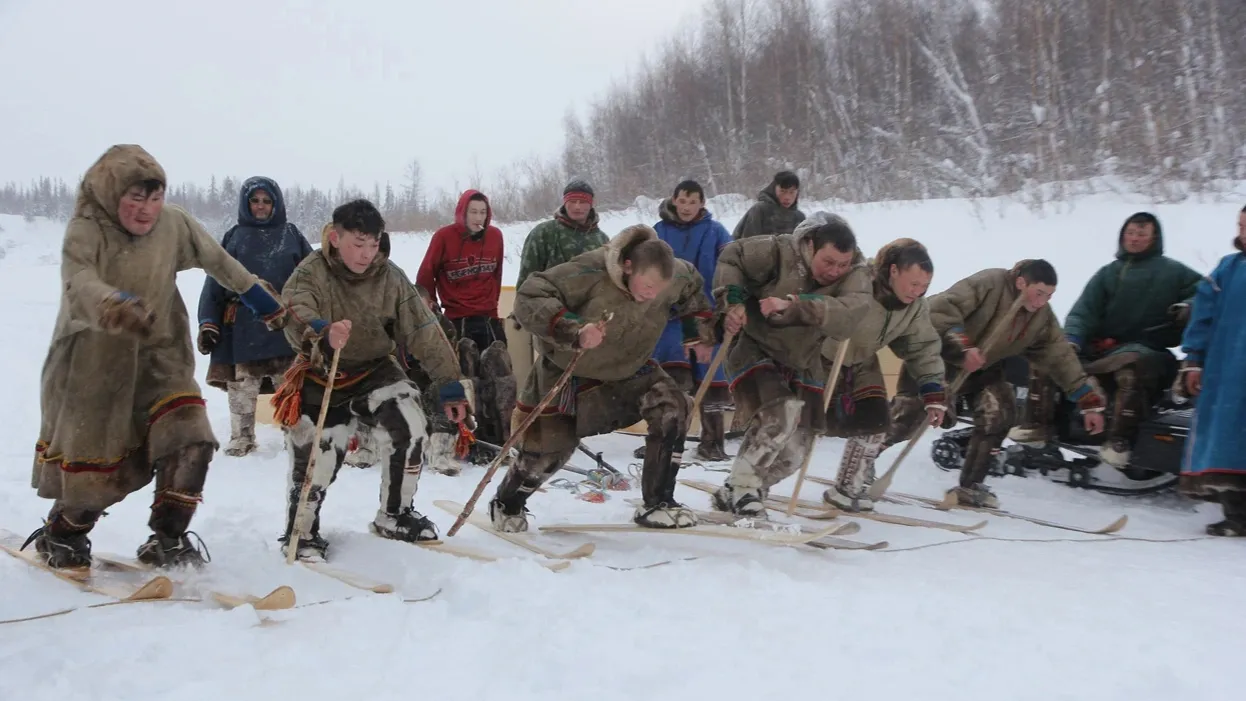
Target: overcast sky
x,y
310,92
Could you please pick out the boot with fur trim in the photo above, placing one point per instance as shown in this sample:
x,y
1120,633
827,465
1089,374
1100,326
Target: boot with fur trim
x,y
856,474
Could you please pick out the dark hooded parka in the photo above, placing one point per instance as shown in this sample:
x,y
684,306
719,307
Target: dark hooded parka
x,y
271,249
767,217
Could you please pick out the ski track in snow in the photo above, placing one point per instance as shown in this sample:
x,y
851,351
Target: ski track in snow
x,y
968,620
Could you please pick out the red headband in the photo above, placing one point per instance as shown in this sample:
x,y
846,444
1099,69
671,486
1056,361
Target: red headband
x,y
576,195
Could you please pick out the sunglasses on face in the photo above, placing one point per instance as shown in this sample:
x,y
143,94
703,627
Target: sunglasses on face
x,y
260,200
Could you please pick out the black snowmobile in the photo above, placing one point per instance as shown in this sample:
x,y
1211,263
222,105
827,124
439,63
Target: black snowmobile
x,y
1155,460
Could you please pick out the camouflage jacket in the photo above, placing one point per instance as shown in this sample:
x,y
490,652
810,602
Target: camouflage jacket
x,y
557,241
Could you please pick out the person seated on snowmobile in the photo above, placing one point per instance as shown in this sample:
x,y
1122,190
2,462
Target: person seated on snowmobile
x,y
966,315
1130,313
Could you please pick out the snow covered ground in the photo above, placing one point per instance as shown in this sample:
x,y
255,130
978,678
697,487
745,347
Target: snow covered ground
x,y
1018,612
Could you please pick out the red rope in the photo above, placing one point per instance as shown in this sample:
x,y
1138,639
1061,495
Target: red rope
x,y
463,445
287,400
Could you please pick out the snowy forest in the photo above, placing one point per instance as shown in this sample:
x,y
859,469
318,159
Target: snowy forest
x,y
910,99
867,100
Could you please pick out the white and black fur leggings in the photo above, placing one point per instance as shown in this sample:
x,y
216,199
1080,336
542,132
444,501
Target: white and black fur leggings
x,y
398,426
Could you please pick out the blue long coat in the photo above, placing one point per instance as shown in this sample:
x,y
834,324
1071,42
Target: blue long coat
x,y
1216,339
270,249
699,243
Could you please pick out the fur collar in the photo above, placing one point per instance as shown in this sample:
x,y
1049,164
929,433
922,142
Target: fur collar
x,y
619,246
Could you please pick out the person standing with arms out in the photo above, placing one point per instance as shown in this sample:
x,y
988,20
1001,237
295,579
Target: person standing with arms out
x,y
245,352
120,404
693,234
775,211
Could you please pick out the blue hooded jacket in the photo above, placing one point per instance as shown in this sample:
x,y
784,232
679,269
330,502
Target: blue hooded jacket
x,y
699,242
270,249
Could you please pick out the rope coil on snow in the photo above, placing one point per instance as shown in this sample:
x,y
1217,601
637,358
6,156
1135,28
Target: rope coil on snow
x,y
584,491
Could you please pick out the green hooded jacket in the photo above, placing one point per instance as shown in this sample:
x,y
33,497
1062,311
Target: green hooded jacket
x,y
1125,306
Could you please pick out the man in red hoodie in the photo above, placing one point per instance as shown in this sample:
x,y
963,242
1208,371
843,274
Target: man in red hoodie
x,y
463,270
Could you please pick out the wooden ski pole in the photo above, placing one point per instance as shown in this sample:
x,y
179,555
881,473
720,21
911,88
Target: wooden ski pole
x,y
516,435
826,405
302,522
709,374
510,443
879,488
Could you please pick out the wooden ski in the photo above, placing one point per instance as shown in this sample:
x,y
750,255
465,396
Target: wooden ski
x,y
515,538
347,577
824,511
91,579
723,518
948,503
280,598
713,531
359,581
468,554
827,543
